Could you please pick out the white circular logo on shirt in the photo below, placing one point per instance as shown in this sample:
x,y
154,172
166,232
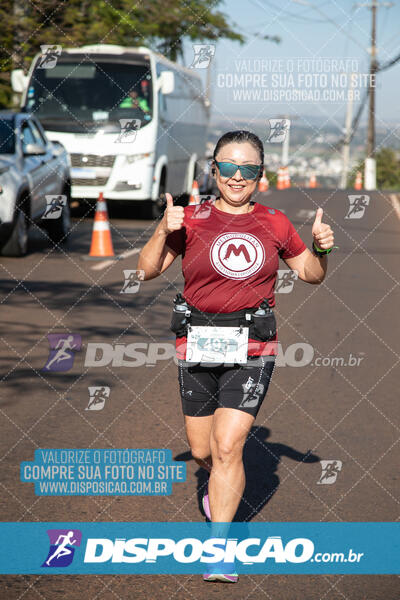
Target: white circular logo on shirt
x,y
237,255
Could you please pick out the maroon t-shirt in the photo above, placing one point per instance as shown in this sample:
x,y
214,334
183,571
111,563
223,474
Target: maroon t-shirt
x,y
230,261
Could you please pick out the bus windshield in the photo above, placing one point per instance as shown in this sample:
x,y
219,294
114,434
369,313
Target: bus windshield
x,y
86,94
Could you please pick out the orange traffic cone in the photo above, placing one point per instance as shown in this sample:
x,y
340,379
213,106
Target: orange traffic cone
x,y
263,184
280,184
194,196
313,181
358,181
102,246
286,177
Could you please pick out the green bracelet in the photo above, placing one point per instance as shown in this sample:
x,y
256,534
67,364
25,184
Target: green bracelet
x,y
319,252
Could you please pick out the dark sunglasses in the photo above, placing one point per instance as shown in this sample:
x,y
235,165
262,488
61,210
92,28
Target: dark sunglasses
x,y
228,169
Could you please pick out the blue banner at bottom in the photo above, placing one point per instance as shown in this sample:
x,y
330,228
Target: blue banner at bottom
x,y
187,548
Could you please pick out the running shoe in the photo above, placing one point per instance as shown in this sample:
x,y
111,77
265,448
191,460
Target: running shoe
x,y
206,504
222,571
224,577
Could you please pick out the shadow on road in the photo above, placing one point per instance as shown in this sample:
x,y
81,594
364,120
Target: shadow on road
x,y
125,237
134,319
261,460
94,295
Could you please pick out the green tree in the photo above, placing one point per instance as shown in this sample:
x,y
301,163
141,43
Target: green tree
x,y
196,20
387,169
272,177
160,24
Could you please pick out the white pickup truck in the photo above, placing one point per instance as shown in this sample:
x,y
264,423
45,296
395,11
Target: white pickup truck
x,y
34,179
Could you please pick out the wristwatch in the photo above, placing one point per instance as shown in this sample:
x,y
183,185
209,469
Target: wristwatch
x,y
319,252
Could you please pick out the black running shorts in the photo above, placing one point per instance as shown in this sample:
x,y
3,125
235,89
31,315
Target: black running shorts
x,y
205,388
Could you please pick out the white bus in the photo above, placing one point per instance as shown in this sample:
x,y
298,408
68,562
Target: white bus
x,y
133,122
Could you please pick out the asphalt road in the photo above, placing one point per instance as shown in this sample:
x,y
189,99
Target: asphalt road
x,y
344,409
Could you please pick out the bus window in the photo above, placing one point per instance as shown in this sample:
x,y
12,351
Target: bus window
x,y
82,92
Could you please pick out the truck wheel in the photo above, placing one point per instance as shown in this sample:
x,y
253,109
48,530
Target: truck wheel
x,y
17,244
59,229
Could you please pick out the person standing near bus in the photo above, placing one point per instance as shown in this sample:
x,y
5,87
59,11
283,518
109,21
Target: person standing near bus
x,y
229,263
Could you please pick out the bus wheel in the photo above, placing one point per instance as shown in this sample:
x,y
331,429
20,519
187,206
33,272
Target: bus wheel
x,y
158,206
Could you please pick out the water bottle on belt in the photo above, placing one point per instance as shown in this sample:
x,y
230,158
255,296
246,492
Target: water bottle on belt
x,y
179,316
264,322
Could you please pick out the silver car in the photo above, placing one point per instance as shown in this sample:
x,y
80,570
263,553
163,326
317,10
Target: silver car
x,y
34,183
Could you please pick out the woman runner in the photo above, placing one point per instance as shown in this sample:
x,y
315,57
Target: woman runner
x,y
230,256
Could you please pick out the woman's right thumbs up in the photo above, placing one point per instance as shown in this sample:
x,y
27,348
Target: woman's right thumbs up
x,y
173,216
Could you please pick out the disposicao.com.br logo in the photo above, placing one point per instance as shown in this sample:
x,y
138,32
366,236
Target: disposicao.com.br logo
x,y
194,547
191,550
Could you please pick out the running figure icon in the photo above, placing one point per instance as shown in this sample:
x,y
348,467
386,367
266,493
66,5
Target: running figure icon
x,y
63,544
330,471
278,129
62,351
54,206
203,54
49,57
285,281
98,396
132,281
62,346
62,549
357,206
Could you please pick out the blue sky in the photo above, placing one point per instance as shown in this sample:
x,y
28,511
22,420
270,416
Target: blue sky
x,y
306,33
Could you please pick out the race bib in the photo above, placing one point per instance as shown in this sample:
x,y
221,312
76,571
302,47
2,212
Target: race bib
x,y
217,344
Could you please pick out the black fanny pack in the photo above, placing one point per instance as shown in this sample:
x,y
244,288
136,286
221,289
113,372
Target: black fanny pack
x,y
262,327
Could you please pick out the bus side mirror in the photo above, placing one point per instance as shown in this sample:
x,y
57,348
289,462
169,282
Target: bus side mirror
x,y
167,82
18,81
